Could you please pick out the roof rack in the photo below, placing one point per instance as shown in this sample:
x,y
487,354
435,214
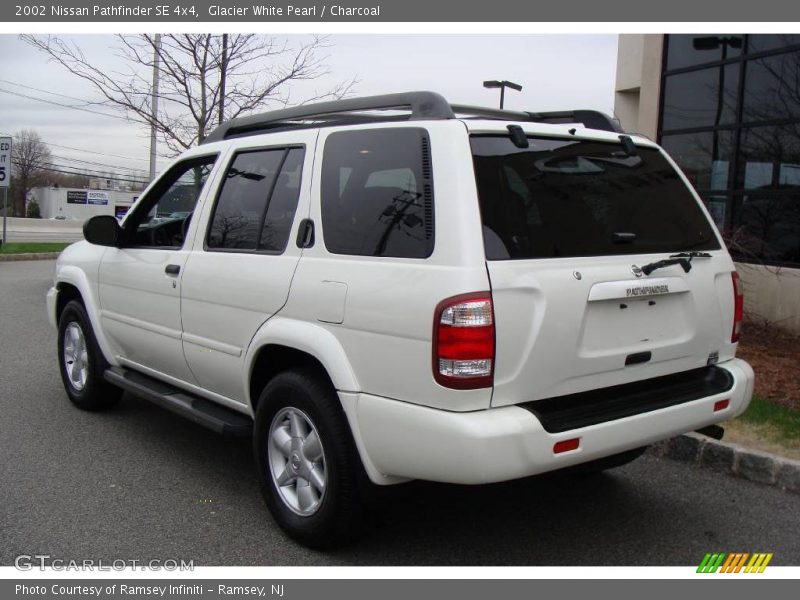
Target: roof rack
x,y
591,119
419,106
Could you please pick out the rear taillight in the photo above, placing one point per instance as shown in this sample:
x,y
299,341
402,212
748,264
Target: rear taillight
x,y
738,307
463,341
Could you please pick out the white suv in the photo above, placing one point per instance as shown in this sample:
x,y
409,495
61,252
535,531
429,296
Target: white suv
x,y
392,288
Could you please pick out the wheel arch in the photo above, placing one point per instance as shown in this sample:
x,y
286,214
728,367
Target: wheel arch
x,y
283,343
72,283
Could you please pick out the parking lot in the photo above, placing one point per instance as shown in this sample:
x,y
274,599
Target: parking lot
x,y
140,483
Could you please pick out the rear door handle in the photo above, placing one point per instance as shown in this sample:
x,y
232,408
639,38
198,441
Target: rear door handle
x,y
172,269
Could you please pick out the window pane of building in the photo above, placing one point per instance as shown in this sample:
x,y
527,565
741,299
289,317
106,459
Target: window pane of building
x,y
772,88
769,227
704,157
769,158
762,43
693,99
689,50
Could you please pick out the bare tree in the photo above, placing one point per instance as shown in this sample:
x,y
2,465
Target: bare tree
x,y
29,157
200,74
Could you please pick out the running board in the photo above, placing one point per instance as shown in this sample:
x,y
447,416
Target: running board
x,y
203,412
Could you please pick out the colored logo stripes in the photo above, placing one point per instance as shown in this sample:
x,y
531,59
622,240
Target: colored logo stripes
x,y
735,562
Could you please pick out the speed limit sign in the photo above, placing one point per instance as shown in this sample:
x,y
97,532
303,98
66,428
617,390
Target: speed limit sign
x,y
5,161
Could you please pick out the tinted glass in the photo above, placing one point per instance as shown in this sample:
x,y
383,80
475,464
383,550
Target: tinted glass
x,y
164,215
770,227
689,50
693,99
243,199
704,157
377,193
772,88
282,204
769,158
562,198
761,43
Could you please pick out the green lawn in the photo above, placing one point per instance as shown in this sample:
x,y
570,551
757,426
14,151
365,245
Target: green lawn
x,y
783,422
26,247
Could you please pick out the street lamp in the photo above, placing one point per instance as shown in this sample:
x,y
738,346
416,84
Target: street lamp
x,y
502,85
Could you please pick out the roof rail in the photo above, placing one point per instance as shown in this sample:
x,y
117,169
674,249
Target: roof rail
x,y
421,105
591,119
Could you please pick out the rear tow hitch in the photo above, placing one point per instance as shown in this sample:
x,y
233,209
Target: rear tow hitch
x,y
713,431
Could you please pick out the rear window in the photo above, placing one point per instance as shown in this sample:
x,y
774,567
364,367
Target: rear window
x,y
566,197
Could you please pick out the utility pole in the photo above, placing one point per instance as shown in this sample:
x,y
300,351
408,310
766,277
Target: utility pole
x,y
154,105
223,72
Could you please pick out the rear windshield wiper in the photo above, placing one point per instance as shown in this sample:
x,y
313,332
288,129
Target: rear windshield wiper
x,y
684,259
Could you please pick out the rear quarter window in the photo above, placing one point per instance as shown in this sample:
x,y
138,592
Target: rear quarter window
x,y
567,197
377,193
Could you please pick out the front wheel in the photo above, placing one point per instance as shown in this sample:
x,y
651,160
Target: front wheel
x,y
81,362
309,468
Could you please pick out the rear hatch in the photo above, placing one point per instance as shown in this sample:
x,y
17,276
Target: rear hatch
x,y
570,223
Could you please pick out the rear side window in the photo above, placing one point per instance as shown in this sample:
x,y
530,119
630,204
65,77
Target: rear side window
x,y
256,205
377,193
565,197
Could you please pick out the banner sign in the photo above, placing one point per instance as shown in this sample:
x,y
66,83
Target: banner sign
x,y
97,197
76,197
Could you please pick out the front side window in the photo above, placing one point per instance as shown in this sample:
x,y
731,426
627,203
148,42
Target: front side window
x,y
162,218
257,203
377,193
568,197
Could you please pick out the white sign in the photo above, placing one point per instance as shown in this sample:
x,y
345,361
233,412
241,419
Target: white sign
x,y
5,161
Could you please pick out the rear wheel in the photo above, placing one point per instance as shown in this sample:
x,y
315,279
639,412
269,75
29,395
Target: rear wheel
x,y
309,468
81,362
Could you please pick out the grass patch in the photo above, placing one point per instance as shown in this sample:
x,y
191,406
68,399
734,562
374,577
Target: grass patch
x,y
28,247
768,427
784,422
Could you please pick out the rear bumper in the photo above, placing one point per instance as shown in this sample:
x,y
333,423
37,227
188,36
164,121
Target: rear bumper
x,y
407,441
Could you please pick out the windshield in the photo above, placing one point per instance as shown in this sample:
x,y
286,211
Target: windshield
x,y
567,197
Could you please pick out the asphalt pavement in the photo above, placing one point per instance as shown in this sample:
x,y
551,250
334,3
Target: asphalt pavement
x,y
140,483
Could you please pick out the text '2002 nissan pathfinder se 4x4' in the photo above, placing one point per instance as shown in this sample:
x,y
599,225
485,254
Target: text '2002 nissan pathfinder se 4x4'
x,y
392,288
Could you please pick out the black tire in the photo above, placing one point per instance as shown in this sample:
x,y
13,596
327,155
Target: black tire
x,y
607,462
95,393
338,519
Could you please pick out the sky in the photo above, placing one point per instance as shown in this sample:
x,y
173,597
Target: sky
x,y
557,72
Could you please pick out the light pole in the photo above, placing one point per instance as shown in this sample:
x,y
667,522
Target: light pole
x,y
502,85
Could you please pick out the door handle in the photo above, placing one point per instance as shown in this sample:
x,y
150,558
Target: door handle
x,y
172,269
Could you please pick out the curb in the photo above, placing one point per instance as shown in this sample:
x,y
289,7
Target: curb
x,y
29,256
733,459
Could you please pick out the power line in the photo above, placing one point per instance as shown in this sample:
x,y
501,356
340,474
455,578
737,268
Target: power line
x,y
54,170
62,105
30,87
96,152
99,164
92,172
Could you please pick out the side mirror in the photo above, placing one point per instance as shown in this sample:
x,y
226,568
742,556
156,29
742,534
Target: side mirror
x,y
102,230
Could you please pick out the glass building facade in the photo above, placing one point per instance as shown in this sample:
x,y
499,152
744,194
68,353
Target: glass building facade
x,y
730,117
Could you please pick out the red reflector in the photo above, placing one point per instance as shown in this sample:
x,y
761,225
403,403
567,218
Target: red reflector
x,y
738,307
566,445
721,405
